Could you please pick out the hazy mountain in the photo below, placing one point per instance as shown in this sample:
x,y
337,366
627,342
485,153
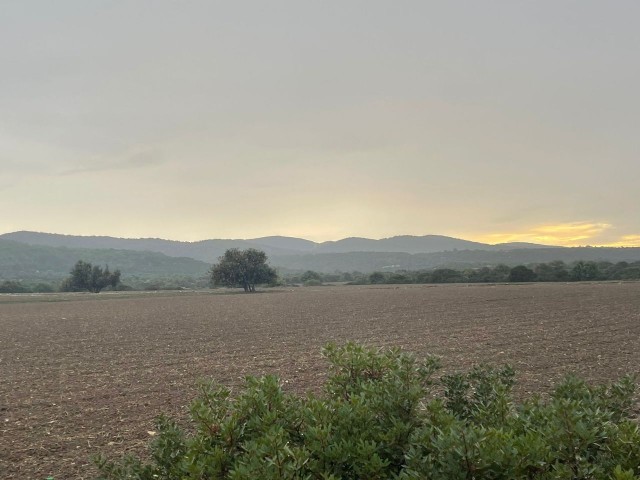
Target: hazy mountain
x,y
205,250
21,260
365,262
401,243
285,243
210,250
41,262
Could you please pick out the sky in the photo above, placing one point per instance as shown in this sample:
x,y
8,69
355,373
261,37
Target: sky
x,y
493,120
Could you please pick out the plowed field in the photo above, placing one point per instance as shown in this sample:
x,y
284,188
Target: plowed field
x,y
81,374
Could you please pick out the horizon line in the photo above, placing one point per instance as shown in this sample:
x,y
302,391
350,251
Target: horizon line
x,y
326,241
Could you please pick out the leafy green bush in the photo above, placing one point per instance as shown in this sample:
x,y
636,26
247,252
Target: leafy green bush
x,y
310,275
380,418
9,286
43,288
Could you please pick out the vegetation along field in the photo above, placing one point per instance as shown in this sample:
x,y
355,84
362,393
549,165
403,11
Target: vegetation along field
x,y
84,373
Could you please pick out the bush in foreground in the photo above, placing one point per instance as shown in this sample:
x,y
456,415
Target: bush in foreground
x,y
380,418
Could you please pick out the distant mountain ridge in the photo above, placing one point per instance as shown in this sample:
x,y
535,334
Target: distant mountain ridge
x,y
29,255
204,250
400,243
210,250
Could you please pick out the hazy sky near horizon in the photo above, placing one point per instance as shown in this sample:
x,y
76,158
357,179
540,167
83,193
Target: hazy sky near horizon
x,y
488,120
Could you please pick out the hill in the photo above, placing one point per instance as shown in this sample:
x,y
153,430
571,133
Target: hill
x,y
31,254
204,250
19,261
210,250
401,243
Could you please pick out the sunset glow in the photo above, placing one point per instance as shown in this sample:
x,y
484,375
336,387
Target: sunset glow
x,y
563,234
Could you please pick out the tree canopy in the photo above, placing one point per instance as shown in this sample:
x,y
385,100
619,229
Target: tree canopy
x,y
521,273
311,275
242,268
85,276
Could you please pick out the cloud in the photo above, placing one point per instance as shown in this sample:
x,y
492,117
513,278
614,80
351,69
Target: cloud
x,y
562,234
133,159
626,241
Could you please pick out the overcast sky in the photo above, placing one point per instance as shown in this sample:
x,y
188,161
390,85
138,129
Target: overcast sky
x,y
488,120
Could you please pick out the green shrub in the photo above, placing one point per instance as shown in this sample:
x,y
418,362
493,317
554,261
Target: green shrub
x,y
43,288
379,418
377,278
9,286
311,275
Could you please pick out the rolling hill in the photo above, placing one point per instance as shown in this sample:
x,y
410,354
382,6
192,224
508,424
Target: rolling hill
x,y
401,243
30,255
210,250
19,261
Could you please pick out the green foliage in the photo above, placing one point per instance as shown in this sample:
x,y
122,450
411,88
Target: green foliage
x,y
398,278
555,271
9,286
552,272
382,416
377,277
310,275
92,278
312,278
42,288
169,282
496,274
242,268
522,274
582,271
446,275
38,263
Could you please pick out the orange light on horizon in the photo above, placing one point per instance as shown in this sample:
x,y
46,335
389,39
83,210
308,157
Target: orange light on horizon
x,y
625,241
561,234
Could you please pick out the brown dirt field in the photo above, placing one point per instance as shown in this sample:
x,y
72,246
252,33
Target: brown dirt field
x,y
82,374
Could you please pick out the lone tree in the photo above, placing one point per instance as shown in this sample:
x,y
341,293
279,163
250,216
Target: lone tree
x,y
242,268
85,276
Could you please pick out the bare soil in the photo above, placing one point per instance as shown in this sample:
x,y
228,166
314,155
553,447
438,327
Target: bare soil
x,y
82,374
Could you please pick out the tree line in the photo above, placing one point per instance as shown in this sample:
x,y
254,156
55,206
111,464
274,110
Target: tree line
x,y
556,271
248,268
